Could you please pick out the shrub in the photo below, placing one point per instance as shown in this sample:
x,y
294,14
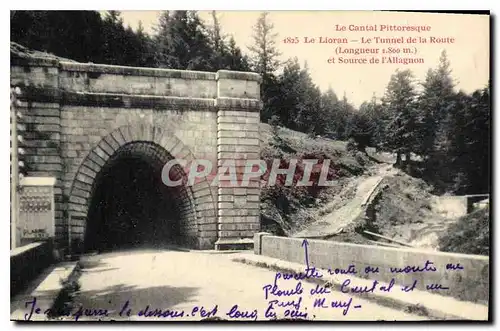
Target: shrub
x,y
352,145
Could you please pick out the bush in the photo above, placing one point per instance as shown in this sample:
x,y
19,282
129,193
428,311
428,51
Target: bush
x,y
352,145
470,235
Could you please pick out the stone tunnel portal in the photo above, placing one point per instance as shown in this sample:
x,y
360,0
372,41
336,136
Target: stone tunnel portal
x,y
130,206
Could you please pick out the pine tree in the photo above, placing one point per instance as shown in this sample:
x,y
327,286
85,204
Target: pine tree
x,y
114,47
344,114
226,54
364,123
375,114
401,127
264,60
217,42
469,143
435,104
288,99
234,59
75,35
298,102
264,52
455,158
328,109
182,42
145,47
312,123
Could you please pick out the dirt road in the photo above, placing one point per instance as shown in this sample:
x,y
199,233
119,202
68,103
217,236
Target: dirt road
x,y
340,218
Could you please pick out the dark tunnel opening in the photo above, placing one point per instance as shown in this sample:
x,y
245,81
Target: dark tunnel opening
x,y
131,207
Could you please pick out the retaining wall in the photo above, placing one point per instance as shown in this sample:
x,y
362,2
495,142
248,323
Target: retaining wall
x,y
27,262
470,284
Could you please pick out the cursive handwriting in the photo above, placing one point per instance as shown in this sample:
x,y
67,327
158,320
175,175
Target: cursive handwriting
x,y
408,269
236,313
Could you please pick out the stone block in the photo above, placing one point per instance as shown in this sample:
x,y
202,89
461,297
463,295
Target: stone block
x,y
226,205
238,120
257,238
207,227
240,201
238,141
238,227
77,200
236,234
238,127
226,198
238,113
232,219
253,198
238,155
234,86
112,142
238,148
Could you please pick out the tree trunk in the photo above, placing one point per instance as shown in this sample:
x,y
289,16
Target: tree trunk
x,y
407,157
408,162
398,159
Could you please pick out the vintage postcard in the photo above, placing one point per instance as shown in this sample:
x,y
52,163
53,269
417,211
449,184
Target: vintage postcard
x,y
184,165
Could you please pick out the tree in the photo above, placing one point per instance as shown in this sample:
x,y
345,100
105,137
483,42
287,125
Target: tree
x,y
468,156
264,52
330,109
264,60
226,54
364,123
144,47
182,42
375,114
234,58
344,114
114,44
217,42
307,119
298,100
401,125
287,97
75,35
435,104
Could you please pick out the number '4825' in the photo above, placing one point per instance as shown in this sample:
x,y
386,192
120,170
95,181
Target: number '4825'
x,y
291,40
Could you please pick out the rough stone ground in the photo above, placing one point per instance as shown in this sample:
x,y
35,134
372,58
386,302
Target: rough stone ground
x,y
179,280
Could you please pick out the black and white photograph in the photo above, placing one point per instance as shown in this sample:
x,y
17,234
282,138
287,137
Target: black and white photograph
x,y
250,166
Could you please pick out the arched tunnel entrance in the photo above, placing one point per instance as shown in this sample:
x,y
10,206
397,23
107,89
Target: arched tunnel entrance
x,y
130,206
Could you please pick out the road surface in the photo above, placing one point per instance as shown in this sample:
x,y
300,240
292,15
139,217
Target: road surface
x,y
197,284
333,222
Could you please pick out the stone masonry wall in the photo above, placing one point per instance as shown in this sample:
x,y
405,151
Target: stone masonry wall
x,y
238,140
42,119
71,109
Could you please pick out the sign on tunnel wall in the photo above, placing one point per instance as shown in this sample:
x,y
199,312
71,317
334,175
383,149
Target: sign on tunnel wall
x,y
36,209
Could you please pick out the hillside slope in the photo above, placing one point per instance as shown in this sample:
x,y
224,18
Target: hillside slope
x,y
371,195
285,210
470,235
20,51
